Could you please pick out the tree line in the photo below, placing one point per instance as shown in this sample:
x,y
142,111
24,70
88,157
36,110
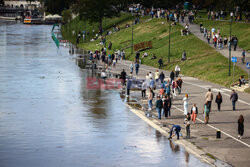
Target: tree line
x,y
96,10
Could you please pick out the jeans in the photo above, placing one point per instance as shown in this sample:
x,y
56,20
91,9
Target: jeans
x,y
137,71
188,130
150,104
218,105
128,90
167,112
179,90
233,103
177,133
143,93
159,112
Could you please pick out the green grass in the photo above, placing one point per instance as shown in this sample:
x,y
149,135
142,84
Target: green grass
x,y
241,30
203,61
79,25
211,156
247,90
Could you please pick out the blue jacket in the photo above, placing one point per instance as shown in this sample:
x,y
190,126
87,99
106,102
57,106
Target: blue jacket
x,y
129,83
178,128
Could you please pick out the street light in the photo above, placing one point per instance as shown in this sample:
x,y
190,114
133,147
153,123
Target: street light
x,y
85,26
169,39
230,47
104,31
132,42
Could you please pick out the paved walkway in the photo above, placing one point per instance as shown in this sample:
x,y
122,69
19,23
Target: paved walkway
x,y
228,148
195,29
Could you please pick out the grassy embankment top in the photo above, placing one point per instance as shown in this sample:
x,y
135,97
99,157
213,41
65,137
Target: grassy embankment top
x,y
203,61
240,29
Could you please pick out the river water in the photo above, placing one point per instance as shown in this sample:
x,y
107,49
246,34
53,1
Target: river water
x,y
48,117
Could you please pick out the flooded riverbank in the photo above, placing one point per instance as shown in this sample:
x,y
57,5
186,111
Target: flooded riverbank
x,y
49,118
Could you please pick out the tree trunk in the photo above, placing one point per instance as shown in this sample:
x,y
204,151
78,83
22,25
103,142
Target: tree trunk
x,y
100,26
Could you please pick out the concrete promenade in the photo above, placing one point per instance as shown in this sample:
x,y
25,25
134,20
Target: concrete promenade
x,y
229,148
195,29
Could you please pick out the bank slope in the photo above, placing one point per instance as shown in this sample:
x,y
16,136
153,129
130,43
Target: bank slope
x,y
203,61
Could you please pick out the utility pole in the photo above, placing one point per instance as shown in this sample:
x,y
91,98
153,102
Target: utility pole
x,y
169,40
230,48
132,44
104,31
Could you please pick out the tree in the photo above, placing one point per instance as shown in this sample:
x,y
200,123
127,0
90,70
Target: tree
x,y
66,15
96,10
57,6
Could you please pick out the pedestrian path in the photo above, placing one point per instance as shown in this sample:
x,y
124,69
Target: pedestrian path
x,y
195,29
228,148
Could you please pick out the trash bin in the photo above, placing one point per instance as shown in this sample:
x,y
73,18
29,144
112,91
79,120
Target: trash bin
x,y
218,134
187,6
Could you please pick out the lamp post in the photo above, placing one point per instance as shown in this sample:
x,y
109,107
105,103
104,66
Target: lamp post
x,y
85,27
104,31
169,39
230,47
132,41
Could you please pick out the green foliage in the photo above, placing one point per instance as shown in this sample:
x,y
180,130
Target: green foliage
x,y
96,10
241,30
66,14
57,6
203,61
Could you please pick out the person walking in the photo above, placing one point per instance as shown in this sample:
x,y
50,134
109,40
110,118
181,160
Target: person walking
x,y
240,126
159,106
235,42
206,112
234,98
162,77
194,113
218,100
171,76
129,84
160,61
179,84
185,104
157,76
175,130
177,70
167,106
152,83
150,99
184,56
187,125
143,89
209,98
131,67
137,66
243,56
174,87
123,77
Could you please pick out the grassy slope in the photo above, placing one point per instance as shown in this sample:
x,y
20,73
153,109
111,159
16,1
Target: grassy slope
x,y
241,30
77,26
204,62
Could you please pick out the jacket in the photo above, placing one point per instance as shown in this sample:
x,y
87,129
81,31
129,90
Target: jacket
x,y
159,104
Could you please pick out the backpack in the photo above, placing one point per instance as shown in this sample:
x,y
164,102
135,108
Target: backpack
x,y
206,110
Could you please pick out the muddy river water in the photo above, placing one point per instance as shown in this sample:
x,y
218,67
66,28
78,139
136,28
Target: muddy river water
x,y
49,119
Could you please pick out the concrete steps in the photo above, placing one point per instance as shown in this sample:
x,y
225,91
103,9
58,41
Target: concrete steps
x,y
240,88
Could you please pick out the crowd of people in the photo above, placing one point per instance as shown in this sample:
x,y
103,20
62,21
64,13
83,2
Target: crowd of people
x,y
162,91
217,39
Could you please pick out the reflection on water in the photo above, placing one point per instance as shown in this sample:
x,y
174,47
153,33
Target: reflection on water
x,y
49,118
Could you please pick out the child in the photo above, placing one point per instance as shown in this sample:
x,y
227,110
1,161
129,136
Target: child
x,y
240,126
187,124
194,112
